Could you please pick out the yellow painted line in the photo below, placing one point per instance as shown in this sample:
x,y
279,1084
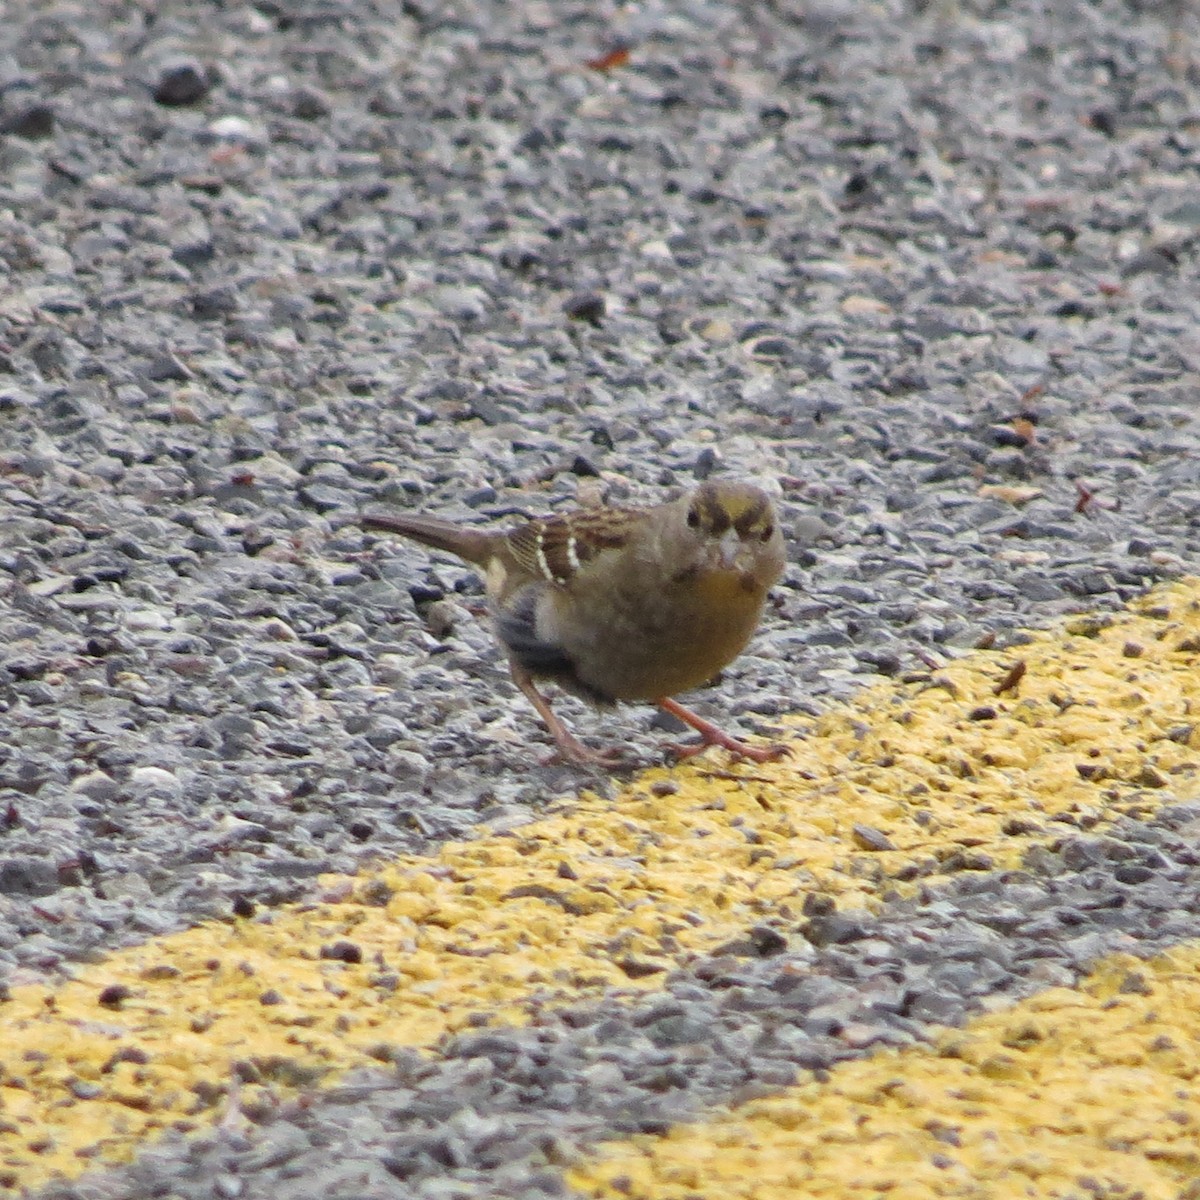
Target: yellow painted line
x,y
605,895
1091,1093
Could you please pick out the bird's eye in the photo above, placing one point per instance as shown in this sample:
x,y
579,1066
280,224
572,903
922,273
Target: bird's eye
x,y
693,518
767,533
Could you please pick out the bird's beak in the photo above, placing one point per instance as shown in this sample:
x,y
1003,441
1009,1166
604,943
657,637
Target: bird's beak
x,y
729,549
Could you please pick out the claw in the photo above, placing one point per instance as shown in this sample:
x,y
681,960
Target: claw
x,y
739,749
585,756
711,735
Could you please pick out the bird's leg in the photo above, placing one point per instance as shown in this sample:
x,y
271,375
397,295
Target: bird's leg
x,y
711,735
570,748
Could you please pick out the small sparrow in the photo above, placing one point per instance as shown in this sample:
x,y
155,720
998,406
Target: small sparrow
x,y
624,604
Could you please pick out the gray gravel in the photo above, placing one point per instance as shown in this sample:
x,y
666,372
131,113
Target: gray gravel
x,y
500,1112
263,266
840,251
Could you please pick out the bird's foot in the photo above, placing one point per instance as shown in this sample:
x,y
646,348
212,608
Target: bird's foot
x,y
713,735
739,749
575,753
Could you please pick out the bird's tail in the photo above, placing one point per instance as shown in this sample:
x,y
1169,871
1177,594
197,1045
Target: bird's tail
x,y
473,545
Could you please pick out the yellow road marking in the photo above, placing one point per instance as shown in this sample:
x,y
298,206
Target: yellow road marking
x,y
1092,1092
604,895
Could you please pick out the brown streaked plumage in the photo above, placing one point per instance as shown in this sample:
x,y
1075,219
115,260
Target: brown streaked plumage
x,y
624,604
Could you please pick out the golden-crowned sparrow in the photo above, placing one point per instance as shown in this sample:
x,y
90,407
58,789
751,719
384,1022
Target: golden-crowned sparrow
x,y
617,604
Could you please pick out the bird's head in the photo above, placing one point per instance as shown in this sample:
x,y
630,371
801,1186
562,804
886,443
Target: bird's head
x,y
737,519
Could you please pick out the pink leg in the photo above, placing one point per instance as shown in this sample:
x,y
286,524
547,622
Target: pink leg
x,y
710,735
570,748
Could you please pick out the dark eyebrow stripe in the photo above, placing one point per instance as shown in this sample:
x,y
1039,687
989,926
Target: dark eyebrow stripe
x,y
717,518
751,517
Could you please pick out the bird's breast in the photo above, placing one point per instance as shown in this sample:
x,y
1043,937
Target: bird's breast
x,y
650,647
719,590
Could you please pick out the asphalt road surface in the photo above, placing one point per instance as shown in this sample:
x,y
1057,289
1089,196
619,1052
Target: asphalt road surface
x,y
290,906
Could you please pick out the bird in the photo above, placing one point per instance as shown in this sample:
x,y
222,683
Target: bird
x,y
623,604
